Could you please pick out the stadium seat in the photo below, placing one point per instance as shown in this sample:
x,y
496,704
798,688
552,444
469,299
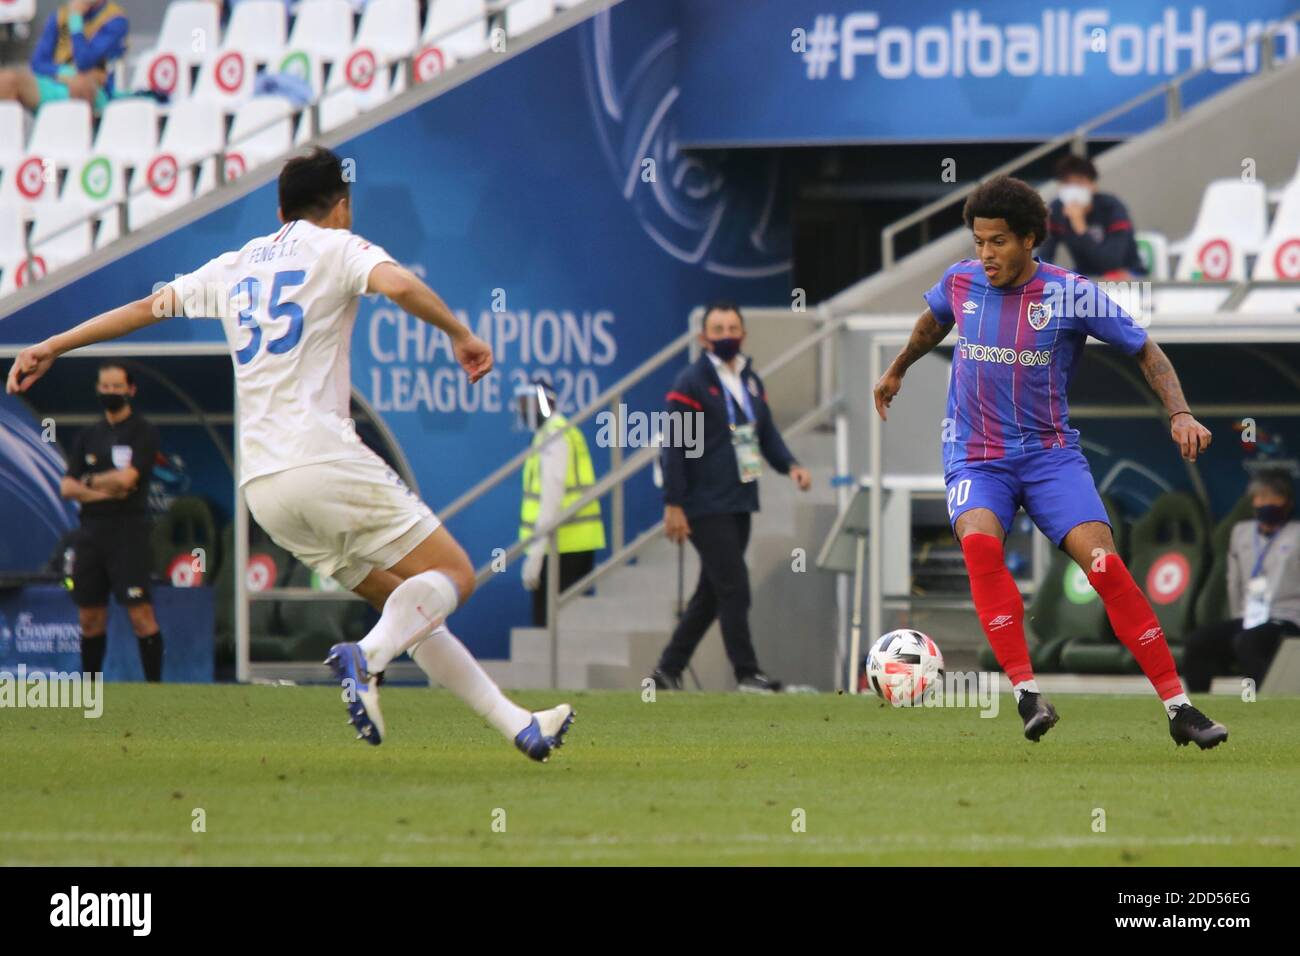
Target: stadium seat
x,y
1189,301
168,188
323,28
1212,601
1168,563
1065,606
12,251
128,130
263,130
62,132
336,108
227,79
196,129
187,525
258,28
1279,256
524,15
17,11
1153,250
13,133
1230,225
190,33
389,31
455,30
30,182
98,180
62,233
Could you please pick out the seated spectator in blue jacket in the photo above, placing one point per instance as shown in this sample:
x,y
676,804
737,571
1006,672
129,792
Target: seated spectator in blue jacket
x,y
74,57
1094,226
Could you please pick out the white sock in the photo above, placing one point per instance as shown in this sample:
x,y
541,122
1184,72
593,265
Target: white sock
x,y
447,662
1025,687
412,611
1175,702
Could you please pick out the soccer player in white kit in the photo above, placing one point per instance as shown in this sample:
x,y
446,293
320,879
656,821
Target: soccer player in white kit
x,y
287,303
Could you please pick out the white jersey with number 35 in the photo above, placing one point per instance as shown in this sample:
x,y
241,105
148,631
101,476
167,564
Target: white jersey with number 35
x,y
287,303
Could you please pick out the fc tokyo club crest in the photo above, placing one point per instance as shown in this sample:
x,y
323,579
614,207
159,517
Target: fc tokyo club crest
x,y
1039,314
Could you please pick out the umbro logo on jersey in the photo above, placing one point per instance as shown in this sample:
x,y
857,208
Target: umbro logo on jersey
x,y
968,307
1002,620
1149,635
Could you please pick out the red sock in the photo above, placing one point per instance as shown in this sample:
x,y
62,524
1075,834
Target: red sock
x,y
998,604
1136,625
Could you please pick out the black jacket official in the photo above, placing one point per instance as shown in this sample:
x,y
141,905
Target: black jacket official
x,y
710,483
132,442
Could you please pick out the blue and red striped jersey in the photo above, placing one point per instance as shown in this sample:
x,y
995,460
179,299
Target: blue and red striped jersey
x,y
1016,350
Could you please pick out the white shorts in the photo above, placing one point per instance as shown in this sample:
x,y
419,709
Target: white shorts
x,y
341,518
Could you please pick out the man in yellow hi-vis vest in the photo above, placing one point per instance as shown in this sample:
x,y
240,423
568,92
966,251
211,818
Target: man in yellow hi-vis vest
x,y
555,477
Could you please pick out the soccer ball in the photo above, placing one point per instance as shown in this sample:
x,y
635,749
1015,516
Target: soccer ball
x,y
903,666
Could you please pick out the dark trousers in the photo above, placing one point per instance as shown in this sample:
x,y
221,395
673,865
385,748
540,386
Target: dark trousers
x,y
1225,649
573,566
722,593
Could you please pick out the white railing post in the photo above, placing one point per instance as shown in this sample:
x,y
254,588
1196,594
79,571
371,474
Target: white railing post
x,y
615,462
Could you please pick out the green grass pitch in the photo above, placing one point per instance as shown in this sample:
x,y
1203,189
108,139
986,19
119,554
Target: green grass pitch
x,y
689,779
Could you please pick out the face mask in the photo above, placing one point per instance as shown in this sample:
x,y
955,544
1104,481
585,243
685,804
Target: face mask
x,y
1271,514
1075,195
112,401
725,349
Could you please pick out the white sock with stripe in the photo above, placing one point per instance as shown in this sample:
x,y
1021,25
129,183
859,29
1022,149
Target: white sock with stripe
x,y
448,662
416,606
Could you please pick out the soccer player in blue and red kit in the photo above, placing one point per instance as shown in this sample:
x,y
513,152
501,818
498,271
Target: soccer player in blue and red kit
x,y
1021,327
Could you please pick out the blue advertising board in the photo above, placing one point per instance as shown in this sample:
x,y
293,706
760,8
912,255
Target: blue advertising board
x,y
821,71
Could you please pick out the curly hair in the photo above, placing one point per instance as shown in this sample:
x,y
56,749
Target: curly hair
x,y
1014,200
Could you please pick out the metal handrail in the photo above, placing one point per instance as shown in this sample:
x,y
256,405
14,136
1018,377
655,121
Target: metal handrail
x,y
613,481
628,381
406,63
1170,89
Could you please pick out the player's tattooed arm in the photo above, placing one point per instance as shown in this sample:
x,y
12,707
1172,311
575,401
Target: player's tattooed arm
x,y
1188,434
926,334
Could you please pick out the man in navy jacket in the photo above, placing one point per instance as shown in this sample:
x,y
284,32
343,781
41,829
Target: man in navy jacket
x,y
710,492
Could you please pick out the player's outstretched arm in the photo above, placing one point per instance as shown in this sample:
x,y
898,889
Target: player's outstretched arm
x,y
926,334
405,288
33,362
1188,434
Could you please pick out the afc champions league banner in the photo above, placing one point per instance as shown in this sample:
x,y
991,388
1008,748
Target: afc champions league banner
x,y
777,72
548,203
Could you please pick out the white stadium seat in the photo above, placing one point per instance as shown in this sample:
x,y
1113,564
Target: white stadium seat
x,y
456,30
524,15
167,193
1153,248
13,132
128,130
196,129
62,132
190,33
1271,301
263,130
323,28
11,246
98,180
258,28
1279,256
336,108
1189,301
227,79
17,11
1230,225
62,233
29,182
390,29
